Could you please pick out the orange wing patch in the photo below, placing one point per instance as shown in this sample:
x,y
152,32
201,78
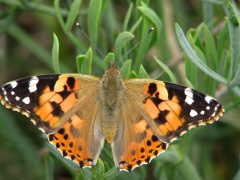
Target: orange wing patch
x,y
69,142
164,112
141,151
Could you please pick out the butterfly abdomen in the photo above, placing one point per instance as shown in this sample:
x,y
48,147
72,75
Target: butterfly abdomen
x,y
110,97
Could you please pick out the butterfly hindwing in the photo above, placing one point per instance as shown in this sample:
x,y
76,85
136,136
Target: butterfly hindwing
x,y
140,145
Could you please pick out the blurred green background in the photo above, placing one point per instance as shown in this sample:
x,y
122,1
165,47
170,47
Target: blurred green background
x,y
211,27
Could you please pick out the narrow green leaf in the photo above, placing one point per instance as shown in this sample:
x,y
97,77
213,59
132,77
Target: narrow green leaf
x,y
211,52
32,45
144,45
167,70
49,164
121,40
192,55
126,69
223,38
80,175
135,25
111,174
133,74
142,73
150,18
98,171
71,166
87,63
79,60
58,13
127,17
94,17
72,14
190,68
109,58
191,172
233,24
55,54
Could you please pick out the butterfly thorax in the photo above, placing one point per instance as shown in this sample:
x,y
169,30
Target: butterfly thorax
x,y
111,87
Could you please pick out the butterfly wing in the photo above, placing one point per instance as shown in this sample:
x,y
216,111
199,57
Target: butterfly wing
x,y
173,108
162,112
62,106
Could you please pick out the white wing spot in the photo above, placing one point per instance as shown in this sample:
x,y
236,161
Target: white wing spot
x,y
5,97
208,99
193,113
4,91
13,84
17,98
12,92
216,108
202,112
189,96
33,84
26,100
208,107
213,114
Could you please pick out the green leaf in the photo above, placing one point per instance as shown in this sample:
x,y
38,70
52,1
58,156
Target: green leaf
x,y
72,14
72,167
133,74
21,36
55,54
223,38
79,60
127,17
49,164
150,18
80,175
98,171
58,13
136,25
142,73
84,62
211,52
233,24
126,69
111,174
121,40
167,70
94,17
109,58
192,55
190,68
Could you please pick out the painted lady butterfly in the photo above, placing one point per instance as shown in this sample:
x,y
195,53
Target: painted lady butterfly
x,y
139,117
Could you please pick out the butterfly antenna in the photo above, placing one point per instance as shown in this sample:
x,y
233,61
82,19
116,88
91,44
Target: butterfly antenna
x,y
78,25
150,30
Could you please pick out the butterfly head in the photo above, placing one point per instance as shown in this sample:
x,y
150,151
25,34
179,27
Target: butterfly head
x,y
112,69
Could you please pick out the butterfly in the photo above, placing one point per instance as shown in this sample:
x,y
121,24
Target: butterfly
x,y
138,117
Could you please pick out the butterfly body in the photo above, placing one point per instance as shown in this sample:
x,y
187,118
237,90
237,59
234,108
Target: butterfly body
x,y
111,95
139,117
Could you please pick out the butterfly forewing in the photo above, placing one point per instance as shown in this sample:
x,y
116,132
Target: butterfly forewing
x,y
174,108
